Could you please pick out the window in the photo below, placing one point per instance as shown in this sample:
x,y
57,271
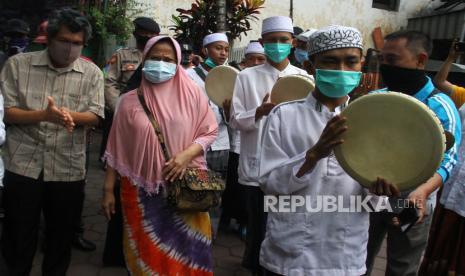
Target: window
x,y
390,5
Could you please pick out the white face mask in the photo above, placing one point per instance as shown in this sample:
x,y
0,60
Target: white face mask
x,y
62,53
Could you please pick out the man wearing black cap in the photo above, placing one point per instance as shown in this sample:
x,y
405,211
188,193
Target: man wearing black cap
x,y
16,39
122,65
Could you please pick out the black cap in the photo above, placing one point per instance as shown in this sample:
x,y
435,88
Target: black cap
x,y
298,31
147,24
16,26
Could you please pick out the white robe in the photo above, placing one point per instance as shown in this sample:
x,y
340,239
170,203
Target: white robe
x,y
251,86
308,243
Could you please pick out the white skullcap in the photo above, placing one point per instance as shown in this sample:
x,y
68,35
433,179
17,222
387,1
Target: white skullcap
x,y
209,39
306,35
334,37
277,24
254,47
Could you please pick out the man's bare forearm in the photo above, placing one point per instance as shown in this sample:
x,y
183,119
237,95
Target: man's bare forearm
x,y
15,115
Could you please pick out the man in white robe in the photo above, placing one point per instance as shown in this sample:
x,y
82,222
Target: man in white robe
x,y
250,106
297,160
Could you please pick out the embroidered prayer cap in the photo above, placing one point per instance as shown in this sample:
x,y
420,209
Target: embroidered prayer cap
x,y
277,24
306,35
254,47
211,38
334,37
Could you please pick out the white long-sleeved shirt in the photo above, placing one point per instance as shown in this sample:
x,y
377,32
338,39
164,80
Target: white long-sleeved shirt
x,y
252,84
308,243
222,141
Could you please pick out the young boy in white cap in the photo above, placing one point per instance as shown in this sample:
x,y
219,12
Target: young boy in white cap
x,y
297,160
250,106
216,49
233,201
254,54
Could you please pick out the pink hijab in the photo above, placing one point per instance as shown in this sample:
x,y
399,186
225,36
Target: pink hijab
x,y
180,107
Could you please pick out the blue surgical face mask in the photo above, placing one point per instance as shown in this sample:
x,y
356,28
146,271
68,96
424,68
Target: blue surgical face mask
x,y
277,52
210,63
300,55
336,83
156,71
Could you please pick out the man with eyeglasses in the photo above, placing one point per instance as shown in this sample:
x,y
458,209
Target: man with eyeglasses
x,y
51,97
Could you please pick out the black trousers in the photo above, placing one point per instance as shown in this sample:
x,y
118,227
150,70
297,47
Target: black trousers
x,y
24,199
113,251
256,228
233,200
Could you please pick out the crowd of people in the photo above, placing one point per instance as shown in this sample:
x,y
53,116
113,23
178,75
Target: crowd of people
x,y
51,98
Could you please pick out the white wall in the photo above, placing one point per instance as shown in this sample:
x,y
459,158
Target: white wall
x,y
313,14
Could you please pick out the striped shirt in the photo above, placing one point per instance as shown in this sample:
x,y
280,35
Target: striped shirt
x,y
25,82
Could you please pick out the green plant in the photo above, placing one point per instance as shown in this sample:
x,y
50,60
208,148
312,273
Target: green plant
x,y
201,19
114,19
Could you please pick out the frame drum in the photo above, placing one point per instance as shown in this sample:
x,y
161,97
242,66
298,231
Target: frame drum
x,y
220,82
392,136
291,88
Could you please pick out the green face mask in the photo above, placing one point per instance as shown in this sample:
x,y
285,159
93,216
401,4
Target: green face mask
x,y
277,52
337,83
210,63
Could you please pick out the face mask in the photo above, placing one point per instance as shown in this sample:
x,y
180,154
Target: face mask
x,y
210,63
141,40
17,45
63,53
398,79
156,71
336,83
277,52
300,55
186,58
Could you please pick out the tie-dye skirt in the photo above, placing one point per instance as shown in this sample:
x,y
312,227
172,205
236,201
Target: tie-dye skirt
x,y
159,241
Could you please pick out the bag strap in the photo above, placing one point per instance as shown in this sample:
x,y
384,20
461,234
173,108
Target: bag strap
x,y
155,125
200,72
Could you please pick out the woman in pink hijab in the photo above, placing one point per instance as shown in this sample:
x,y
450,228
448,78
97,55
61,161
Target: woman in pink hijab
x,y
158,240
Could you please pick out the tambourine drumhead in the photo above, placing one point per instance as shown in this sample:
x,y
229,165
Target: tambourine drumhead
x,y
291,88
392,136
219,83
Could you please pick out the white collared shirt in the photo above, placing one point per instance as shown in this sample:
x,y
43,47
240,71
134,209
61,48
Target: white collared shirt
x,y
222,141
302,242
252,84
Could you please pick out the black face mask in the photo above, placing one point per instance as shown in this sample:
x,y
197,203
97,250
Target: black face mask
x,y
141,40
185,57
399,79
